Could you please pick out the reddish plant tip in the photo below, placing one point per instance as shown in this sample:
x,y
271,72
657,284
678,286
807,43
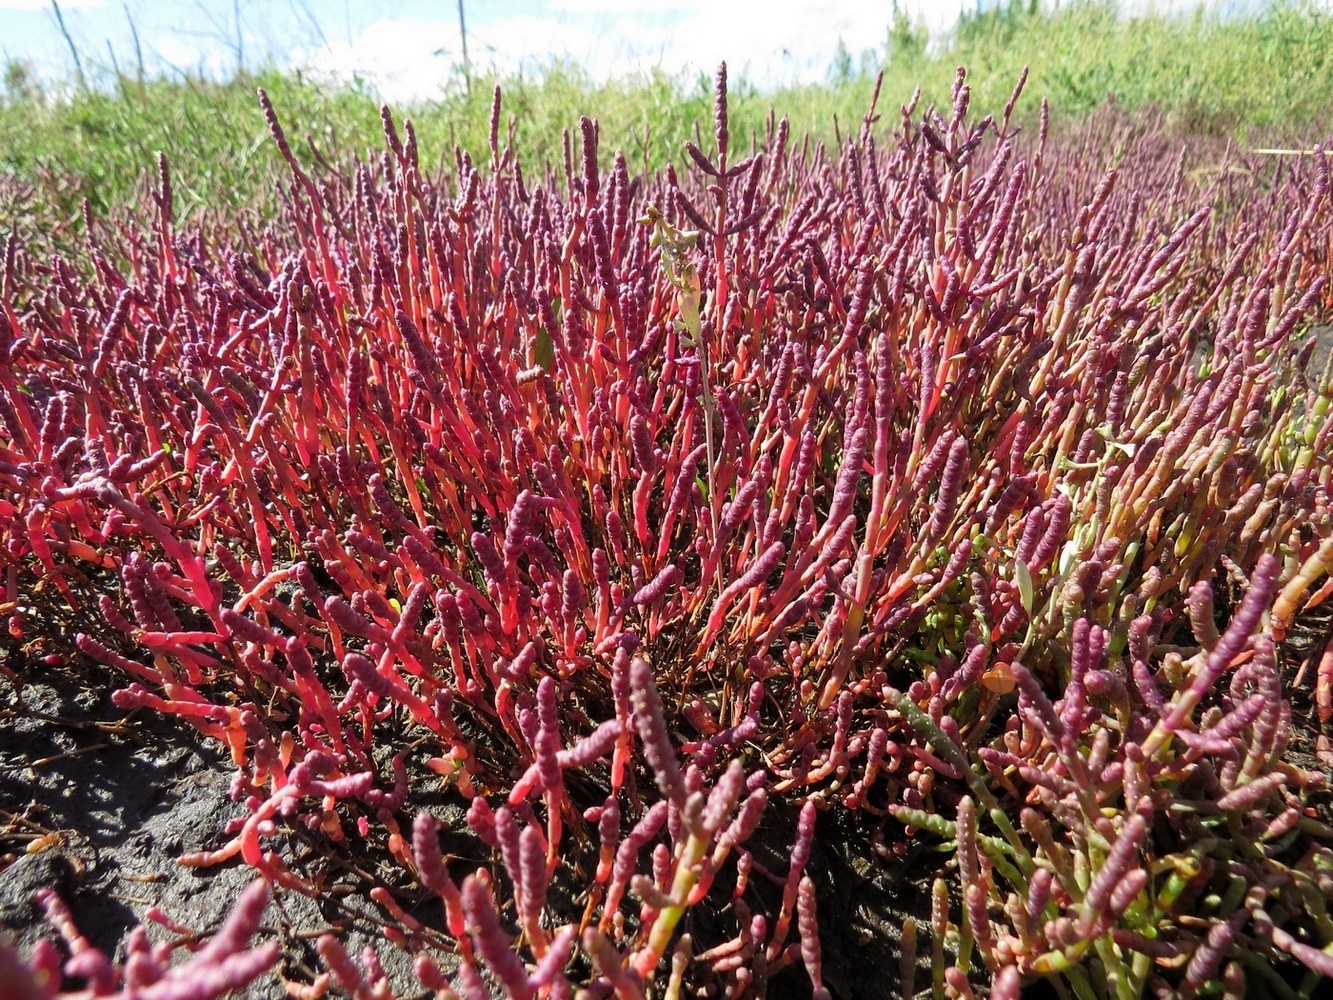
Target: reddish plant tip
x,y
650,721
723,134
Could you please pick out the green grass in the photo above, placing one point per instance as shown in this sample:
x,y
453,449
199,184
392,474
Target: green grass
x,y
1267,75
1217,73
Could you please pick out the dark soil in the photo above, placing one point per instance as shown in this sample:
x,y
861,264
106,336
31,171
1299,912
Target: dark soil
x,y
125,796
123,802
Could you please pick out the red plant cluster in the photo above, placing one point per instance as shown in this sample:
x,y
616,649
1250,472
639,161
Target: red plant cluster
x,y
942,479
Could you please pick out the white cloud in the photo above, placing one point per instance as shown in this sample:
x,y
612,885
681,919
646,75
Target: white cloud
x,y
190,55
403,59
768,42
639,7
780,41
46,4
527,43
408,60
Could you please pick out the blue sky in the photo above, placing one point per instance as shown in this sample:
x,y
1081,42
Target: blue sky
x,y
406,48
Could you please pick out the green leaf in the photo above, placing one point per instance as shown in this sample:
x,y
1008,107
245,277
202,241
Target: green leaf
x,y
1023,577
933,822
543,349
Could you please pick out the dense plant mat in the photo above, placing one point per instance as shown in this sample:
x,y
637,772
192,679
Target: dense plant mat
x,y
590,571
